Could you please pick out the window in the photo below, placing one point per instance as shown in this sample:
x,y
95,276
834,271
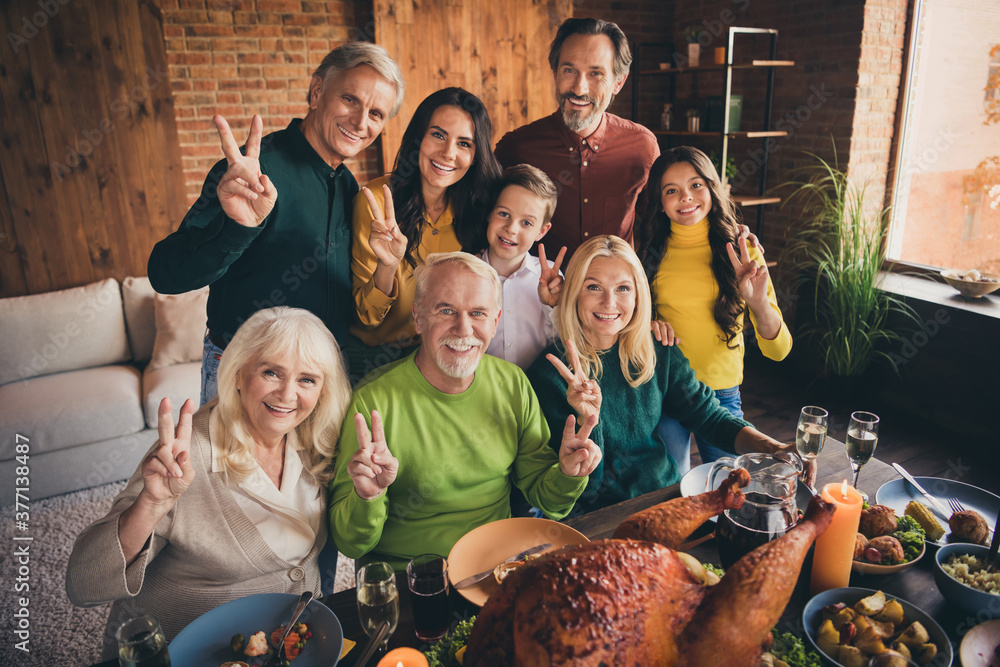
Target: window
x,y
946,195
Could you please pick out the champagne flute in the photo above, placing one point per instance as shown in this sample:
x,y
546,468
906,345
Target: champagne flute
x,y
862,436
378,600
811,432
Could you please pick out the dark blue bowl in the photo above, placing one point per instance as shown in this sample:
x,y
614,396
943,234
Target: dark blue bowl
x,y
980,604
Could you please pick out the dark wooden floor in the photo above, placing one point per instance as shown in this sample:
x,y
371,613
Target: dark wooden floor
x,y
774,393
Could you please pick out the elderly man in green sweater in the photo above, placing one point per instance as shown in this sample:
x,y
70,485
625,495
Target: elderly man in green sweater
x,y
439,438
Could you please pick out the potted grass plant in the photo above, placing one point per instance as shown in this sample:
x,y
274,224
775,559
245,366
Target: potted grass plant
x,y
834,260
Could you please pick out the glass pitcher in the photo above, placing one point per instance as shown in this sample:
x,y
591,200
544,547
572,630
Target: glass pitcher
x,y
768,509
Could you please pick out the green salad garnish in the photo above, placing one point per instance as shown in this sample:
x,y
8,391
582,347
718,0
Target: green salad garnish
x,y
442,653
789,648
911,535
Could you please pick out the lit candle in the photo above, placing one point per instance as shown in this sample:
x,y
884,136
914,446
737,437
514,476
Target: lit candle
x,y
403,657
835,547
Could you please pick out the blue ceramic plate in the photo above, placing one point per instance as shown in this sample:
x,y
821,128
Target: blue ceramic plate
x,y
205,640
849,596
898,493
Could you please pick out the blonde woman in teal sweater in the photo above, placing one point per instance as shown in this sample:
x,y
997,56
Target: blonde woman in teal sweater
x,y
608,365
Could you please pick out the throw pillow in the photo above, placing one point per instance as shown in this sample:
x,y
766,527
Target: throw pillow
x,y
180,328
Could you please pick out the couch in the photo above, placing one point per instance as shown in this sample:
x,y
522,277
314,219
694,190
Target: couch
x,y
82,372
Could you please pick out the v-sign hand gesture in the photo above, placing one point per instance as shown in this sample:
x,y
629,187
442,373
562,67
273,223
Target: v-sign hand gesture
x,y
578,454
167,471
386,241
582,393
373,467
246,195
751,277
550,282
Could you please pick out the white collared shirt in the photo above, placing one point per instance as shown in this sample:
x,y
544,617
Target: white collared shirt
x,y
525,327
288,518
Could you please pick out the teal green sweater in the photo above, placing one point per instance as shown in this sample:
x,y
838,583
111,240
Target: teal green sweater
x,y
635,461
458,456
299,256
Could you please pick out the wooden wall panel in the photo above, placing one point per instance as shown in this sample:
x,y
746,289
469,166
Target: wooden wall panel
x,y
91,161
495,49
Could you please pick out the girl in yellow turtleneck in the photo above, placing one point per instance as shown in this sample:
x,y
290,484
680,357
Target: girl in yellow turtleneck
x,y
701,286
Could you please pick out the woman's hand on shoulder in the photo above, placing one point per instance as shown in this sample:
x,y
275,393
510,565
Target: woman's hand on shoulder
x,y
167,471
549,281
373,467
664,333
578,454
750,237
582,393
386,239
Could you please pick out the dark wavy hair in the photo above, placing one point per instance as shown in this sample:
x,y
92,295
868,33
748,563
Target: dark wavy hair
x,y
469,198
723,221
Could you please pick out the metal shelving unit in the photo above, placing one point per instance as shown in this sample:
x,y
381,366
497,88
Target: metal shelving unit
x,y
759,199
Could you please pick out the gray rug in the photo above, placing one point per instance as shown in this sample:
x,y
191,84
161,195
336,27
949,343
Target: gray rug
x,y
60,633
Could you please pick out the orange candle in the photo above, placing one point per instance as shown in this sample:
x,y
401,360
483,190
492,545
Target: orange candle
x,y
403,657
835,547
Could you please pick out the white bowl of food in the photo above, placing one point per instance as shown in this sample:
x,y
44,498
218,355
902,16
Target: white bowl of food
x,y
971,284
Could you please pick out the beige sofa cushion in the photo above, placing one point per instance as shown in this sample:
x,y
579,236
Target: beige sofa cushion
x,y
61,411
137,297
76,328
180,328
178,383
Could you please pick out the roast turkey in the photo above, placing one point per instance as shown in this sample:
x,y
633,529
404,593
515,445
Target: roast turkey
x,y
631,601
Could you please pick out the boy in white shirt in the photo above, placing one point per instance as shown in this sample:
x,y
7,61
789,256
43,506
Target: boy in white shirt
x,y
521,215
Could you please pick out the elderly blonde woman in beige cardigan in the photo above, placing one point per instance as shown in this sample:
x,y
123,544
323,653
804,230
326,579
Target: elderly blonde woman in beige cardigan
x,y
231,501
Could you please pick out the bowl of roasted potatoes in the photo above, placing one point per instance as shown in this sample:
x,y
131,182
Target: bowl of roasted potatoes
x,y
850,626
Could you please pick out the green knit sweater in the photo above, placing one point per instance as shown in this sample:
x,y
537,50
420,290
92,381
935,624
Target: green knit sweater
x,y
635,461
459,455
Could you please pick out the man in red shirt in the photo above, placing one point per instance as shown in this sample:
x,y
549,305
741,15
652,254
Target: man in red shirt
x,y
598,161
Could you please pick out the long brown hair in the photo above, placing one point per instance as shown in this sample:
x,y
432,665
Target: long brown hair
x,y
723,220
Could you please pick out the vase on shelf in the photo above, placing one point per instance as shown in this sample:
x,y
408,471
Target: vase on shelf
x,y
694,54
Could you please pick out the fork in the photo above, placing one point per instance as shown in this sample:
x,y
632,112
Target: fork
x,y
956,505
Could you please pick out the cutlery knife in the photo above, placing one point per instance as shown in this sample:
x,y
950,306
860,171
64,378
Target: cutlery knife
x,y
476,578
934,502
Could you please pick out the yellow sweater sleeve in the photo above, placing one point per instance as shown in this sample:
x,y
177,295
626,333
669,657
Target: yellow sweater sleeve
x,y
778,347
684,290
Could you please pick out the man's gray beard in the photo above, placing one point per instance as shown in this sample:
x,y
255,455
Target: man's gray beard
x,y
577,121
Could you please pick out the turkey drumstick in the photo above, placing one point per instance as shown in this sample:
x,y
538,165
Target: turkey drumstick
x,y
671,523
740,611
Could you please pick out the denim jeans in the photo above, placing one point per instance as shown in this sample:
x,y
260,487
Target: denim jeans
x,y
210,356
677,439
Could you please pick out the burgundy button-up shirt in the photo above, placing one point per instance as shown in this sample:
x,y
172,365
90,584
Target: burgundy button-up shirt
x,y
599,178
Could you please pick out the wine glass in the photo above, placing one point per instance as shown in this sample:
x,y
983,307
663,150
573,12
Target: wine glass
x,y
378,600
862,436
811,432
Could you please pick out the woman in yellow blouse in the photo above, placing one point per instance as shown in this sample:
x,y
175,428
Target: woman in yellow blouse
x,y
441,186
688,239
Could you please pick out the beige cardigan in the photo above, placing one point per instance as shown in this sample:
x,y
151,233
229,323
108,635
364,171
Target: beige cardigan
x,y
204,553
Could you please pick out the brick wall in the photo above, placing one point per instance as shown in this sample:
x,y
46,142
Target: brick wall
x,y
815,101
241,57
879,71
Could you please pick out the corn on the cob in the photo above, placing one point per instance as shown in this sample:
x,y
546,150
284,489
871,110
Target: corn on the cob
x,y
927,521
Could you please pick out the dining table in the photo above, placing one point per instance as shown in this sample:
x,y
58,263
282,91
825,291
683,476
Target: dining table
x,y
914,584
